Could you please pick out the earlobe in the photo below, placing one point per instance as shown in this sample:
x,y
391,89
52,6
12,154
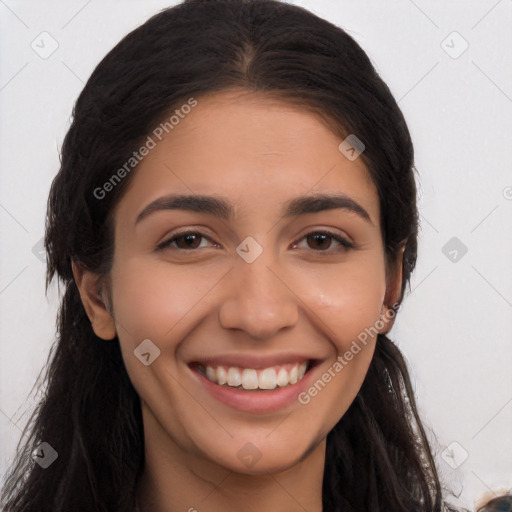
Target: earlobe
x,y
95,303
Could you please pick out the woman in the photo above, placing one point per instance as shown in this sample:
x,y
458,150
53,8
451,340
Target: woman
x,y
235,224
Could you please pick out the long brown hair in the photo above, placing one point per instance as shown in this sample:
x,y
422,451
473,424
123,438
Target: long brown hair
x,y
378,457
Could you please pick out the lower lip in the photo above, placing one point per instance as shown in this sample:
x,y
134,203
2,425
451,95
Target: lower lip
x,y
255,401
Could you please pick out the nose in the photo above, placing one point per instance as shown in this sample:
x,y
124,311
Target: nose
x,y
261,302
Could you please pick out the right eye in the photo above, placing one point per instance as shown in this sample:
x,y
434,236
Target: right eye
x,y
188,241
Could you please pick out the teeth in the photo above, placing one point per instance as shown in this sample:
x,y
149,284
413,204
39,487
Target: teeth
x,y
211,373
268,379
222,376
248,378
234,377
282,378
294,375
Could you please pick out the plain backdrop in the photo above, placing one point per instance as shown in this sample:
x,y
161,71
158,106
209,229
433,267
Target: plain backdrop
x,y
448,64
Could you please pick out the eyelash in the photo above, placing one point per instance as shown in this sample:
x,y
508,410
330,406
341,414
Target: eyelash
x,y
345,244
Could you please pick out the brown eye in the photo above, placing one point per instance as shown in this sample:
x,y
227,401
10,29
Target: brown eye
x,y
322,241
184,241
190,241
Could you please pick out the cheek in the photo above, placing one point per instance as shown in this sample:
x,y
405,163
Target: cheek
x,y
346,306
154,300
345,298
151,297
161,302
345,303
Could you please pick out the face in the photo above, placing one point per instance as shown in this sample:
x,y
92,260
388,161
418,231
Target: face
x,y
255,290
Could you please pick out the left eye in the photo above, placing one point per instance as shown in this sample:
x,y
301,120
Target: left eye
x,y
322,239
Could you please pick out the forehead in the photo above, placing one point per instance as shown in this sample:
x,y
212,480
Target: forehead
x,y
256,149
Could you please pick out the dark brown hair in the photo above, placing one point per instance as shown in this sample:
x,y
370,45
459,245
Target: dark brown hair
x,y
378,457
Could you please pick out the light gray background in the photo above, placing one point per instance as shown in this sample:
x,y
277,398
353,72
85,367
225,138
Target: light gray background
x,y
456,324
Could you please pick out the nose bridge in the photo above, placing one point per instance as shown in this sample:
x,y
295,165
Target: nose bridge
x,y
260,301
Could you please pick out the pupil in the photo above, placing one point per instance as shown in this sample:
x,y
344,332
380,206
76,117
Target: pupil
x,y
321,237
189,239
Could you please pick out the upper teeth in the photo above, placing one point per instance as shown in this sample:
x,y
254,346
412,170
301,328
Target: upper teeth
x,y
248,378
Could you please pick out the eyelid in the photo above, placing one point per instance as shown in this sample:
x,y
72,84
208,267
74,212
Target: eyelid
x,y
185,231
343,240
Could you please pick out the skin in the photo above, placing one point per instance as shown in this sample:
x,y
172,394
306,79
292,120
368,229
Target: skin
x,y
307,298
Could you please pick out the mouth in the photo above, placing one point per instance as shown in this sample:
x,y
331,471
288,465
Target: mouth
x,y
255,379
259,384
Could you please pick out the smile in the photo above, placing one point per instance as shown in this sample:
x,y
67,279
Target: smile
x,y
251,379
259,384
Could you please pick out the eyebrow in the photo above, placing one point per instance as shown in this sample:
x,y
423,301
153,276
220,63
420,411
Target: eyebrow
x,y
224,209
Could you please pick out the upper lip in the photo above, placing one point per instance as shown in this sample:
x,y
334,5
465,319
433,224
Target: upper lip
x,y
251,361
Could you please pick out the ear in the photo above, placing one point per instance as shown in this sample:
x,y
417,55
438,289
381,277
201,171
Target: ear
x,y
95,302
393,291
